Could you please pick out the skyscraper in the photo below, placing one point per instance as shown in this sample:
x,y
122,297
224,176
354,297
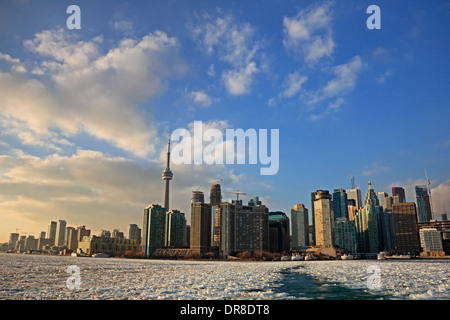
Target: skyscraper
x,y
278,232
175,229
153,229
423,204
406,236
201,217
324,218
400,193
340,203
134,232
355,194
167,176
367,222
242,228
215,196
60,233
345,234
300,227
51,232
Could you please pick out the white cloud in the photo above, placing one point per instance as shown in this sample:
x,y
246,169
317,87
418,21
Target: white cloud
x,y
293,84
310,33
200,98
239,82
90,91
234,43
345,77
333,107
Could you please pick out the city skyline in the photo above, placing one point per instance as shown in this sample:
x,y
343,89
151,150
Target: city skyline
x,y
87,142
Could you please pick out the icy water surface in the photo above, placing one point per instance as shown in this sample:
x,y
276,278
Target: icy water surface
x,y
45,277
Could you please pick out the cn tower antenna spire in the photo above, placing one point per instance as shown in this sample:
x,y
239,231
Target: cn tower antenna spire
x,y
167,176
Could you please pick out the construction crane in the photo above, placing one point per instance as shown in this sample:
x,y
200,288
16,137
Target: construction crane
x,y
237,193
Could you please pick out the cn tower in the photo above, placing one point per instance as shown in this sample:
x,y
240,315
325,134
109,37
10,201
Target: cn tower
x,y
167,175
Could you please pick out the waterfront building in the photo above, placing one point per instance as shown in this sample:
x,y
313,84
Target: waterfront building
x,y
134,232
13,238
324,219
423,204
405,233
117,234
300,227
201,223
175,229
242,228
313,222
51,232
340,203
60,233
345,234
153,229
82,232
112,246
69,230
72,241
431,242
279,232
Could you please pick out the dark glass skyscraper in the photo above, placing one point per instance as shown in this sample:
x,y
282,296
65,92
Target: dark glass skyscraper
x,y
340,203
400,192
423,204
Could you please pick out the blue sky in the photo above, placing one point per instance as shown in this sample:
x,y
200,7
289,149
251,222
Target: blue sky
x,y
84,114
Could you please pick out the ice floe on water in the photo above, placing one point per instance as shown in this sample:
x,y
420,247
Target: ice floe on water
x,y
46,277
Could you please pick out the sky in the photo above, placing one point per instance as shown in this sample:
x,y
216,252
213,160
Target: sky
x,y
85,113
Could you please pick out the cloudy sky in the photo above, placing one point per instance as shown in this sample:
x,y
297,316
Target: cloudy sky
x,y
85,114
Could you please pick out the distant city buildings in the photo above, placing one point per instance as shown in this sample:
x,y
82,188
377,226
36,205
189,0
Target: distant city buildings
x,y
300,227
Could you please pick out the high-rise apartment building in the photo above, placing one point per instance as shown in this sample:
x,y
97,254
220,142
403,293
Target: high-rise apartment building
x,y
201,222
51,232
153,229
355,194
300,227
242,228
345,234
60,233
134,232
279,240
405,233
398,193
340,203
423,204
175,229
430,240
215,195
324,218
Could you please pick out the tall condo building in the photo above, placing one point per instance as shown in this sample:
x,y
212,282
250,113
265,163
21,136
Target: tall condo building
x,y
340,203
201,223
153,229
167,176
242,228
405,232
175,229
134,233
60,233
355,194
398,194
423,204
215,195
324,218
279,229
300,227
51,233
345,234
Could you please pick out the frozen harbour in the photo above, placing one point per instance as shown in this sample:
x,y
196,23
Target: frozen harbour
x,y
46,277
